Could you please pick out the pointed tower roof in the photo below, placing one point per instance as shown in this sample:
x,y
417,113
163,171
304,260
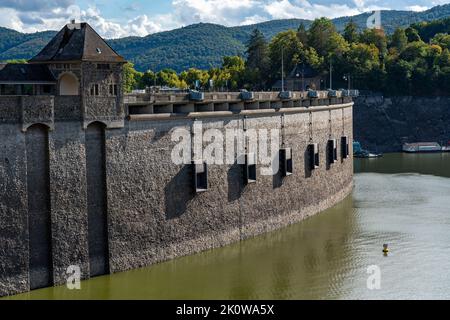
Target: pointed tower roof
x,y
77,42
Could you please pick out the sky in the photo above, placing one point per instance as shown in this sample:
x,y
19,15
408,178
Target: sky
x,y
120,18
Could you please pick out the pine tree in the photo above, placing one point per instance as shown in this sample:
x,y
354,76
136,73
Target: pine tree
x,y
302,35
399,39
351,32
257,58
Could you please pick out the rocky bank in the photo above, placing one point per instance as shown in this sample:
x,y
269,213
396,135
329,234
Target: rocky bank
x,y
384,123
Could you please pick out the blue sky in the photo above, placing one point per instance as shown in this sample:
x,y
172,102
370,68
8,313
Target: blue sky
x,y
119,18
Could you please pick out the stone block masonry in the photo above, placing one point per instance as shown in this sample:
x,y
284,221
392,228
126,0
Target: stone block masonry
x,y
99,189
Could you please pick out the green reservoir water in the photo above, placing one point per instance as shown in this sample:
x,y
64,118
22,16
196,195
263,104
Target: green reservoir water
x,y
402,200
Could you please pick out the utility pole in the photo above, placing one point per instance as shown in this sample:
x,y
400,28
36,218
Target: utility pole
x,y
331,74
282,69
303,76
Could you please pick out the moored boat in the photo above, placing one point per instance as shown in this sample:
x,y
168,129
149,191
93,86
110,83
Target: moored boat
x,y
359,152
425,147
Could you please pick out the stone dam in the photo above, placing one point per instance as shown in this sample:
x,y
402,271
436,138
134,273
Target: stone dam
x,y
87,177
92,184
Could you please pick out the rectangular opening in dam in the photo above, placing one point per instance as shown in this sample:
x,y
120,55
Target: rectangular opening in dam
x,y
286,163
39,219
200,171
345,148
332,151
250,172
314,157
96,199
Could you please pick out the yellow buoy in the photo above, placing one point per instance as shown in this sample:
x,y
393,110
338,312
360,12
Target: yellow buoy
x,y
385,248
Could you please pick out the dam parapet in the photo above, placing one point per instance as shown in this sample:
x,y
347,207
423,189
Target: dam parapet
x,y
184,103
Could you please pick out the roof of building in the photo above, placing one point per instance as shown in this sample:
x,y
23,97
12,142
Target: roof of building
x,y
303,69
77,42
25,73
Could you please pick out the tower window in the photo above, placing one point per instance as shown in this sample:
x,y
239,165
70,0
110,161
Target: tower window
x,y
113,89
103,66
95,90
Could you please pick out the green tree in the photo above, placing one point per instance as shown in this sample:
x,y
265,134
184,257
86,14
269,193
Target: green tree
x,y
221,78
191,76
257,60
235,66
351,34
131,77
442,39
399,39
376,37
324,38
412,35
147,79
302,34
169,77
287,45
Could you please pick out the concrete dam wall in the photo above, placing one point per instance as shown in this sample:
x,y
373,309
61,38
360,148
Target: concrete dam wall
x,y
107,197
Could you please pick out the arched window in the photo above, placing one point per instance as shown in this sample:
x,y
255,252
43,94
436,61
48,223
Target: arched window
x,y
68,85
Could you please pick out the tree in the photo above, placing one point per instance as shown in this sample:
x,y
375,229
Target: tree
x,y
131,77
147,79
412,34
191,76
399,76
221,78
286,45
399,40
257,59
324,38
442,39
169,77
257,51
414,51
235,66
362,58
351,34
302,34
376,37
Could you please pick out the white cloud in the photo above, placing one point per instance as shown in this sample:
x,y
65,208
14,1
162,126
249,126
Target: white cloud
x,y
417,8
285,9
230,12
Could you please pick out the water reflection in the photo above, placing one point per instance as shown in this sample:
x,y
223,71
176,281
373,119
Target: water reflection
x,y
324,257
437,164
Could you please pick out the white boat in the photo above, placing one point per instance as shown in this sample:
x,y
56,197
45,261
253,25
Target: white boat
x,y
424,147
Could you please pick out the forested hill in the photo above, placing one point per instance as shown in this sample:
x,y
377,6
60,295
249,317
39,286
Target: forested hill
x,y
200,45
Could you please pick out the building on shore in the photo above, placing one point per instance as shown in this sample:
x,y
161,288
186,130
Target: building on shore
x,y
302,78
